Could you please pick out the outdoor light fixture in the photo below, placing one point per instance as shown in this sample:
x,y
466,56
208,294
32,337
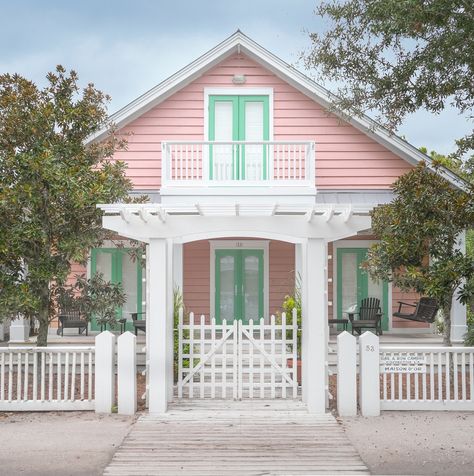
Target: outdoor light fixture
x,y
239,79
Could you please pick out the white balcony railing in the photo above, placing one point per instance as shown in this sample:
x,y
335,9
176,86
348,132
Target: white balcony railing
x,y
238,163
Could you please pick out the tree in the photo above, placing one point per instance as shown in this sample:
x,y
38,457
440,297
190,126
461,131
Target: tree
x,y
50,182
418,233
394,57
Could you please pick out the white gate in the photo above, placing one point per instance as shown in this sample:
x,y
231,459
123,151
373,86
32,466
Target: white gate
x,y
254,360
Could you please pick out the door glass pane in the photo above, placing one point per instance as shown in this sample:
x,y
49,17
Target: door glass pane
x,y
226,296
223,131
254,132
375,289
349,281
251,288
104,264
129,284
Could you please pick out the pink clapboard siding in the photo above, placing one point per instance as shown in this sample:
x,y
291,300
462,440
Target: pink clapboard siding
x,y
196,275
345,157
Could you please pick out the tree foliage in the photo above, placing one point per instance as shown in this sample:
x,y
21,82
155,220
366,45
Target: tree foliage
x,y
418,234
94,298
50,182
394,57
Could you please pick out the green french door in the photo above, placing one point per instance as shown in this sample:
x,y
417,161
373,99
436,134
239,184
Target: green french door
x,y
239,285
116,266
354,284
238,118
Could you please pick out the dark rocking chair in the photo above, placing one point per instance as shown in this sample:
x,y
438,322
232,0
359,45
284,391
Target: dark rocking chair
x,y
370,316
139,325
71,318
425,310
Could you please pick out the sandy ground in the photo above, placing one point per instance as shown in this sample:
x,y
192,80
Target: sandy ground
x,y
50,443
411,443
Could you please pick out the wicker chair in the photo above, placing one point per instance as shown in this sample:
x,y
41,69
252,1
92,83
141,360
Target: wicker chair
x,y
369,316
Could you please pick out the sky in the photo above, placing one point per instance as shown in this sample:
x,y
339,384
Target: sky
x,y
126,47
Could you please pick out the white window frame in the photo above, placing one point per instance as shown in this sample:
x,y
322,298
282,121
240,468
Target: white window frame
x,y
239,245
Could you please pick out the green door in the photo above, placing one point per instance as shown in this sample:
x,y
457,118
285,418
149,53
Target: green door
x,y
354,284
238,118
239,285
116,266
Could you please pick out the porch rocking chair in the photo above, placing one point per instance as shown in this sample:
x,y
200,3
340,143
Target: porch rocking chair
x,y
425,310
139,325
370,316
68,318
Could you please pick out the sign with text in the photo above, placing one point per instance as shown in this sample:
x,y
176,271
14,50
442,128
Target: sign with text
x,y
406,363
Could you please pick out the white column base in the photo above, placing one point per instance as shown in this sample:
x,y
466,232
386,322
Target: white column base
x,y
19,330
457,333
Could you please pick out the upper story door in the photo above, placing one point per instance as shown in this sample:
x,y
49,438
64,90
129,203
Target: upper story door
x,y
238,118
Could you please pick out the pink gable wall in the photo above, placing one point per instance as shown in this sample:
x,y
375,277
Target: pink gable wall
x,y
345,157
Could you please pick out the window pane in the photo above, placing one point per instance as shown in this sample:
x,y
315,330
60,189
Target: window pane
x,y
254,132
251,288
129,284
223,131
226,297
104,264
349,281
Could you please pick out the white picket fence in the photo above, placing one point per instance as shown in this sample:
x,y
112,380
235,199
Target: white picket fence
x,y
70,378
444,379
46,378
402,377
236,360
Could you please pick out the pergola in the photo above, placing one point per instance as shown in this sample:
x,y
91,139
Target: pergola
x,y
166,227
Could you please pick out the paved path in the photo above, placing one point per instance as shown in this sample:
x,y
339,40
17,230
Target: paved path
x,y
236,438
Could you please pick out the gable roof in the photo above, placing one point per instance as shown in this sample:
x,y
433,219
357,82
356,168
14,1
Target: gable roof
x,y
240,43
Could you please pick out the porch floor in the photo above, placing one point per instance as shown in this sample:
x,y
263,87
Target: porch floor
x,y
199,437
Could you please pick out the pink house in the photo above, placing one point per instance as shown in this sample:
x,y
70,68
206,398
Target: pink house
x,y
253,185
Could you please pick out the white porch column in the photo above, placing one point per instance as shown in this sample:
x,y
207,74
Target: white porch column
x,y
314,290
458,310
170,319
178,265
158,328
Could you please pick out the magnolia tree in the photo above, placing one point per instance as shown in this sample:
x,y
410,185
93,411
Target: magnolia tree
x,y
50,182
419,232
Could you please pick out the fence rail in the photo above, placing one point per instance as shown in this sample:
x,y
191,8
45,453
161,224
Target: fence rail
x,y
443,381
47,378
238,163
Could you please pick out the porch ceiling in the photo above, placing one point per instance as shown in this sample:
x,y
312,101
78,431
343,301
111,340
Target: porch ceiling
x,y
189,222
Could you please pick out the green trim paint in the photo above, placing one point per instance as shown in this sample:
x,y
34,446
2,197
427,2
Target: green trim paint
x,y
238,130
116,274
239,281
362,283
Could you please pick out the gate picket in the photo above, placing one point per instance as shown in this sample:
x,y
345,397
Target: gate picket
x,y
253,359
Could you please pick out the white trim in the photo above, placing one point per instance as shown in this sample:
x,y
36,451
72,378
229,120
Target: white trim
x,y
240,244
356,244
238,42
242,91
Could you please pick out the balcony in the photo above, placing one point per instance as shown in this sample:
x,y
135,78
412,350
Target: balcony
x,y
238,167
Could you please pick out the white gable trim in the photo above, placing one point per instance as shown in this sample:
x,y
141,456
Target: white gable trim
x,y
238,42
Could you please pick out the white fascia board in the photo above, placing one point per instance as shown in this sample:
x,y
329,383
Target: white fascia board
x,y
239,41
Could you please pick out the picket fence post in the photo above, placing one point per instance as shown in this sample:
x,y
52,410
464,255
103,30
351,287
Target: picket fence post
x,y
346,374
369,375
127,374
104,372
